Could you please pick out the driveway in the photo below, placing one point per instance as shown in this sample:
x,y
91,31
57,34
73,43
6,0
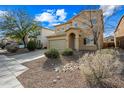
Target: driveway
x,y
9,70
11,67
22,58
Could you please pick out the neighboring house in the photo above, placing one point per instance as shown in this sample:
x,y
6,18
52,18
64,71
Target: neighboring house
x,y
42,35
119,34
109,42
6,40
76,34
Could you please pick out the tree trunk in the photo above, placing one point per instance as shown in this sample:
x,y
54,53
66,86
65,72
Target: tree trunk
x,y
96,43
23,39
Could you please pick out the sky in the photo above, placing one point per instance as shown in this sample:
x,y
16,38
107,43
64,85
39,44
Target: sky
x,y
50,15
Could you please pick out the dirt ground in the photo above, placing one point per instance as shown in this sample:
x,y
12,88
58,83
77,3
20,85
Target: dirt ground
x,y
41,74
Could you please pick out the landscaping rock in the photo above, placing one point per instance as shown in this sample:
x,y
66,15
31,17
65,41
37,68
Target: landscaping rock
x,y
70,67
57,69
58,77
54,81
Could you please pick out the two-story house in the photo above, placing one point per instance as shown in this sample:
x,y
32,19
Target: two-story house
x,y
77,33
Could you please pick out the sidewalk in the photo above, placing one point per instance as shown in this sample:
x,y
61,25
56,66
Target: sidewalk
x,y
9,70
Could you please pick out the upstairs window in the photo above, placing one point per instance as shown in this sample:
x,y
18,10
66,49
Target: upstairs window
x,y
94,20
75,24
62,29
68,26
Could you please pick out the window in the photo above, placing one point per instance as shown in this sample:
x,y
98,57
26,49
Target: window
x,y
62,29
112,39
94,21
75,24
89,40
68,26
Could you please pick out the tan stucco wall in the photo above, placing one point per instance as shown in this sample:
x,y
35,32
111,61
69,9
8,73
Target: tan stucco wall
x,y
81,18
80,40
79,37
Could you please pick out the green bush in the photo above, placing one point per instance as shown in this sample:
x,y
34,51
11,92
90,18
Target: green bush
x,y
52,53
39,44
1,45
31,45
67,52
12,48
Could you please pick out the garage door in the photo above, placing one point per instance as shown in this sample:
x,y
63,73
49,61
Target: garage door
x,y
58,44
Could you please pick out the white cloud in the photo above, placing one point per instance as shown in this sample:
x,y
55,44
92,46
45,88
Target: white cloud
x,y
62,14
45,17
74,14
109,10
3,13
109,34
53,17
55,24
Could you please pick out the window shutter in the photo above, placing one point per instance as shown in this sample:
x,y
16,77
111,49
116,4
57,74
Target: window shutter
x,y
84,41
94,41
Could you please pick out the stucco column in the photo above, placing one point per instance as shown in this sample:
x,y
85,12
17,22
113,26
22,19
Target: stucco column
x,y
67,41
48,44
77,42
115,42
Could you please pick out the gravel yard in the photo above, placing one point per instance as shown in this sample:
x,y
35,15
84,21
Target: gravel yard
x,y
61,73
41,74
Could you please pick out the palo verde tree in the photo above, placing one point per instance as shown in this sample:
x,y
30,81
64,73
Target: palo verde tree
x,y
18,24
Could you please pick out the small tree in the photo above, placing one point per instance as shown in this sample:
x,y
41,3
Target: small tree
x,y
89,24
18,24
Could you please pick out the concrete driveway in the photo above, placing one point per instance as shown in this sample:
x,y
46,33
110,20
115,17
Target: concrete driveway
x,y
22,58
9,70
11,67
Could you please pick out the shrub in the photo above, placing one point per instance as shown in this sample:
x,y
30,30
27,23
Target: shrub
x,y
39,45
108,51
12,47
98,66
31,45
67,52
0,44
52,53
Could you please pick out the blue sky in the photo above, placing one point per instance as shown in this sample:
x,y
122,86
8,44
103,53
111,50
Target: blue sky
x,y
50,15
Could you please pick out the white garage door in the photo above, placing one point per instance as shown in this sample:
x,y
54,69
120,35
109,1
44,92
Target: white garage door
x,y
58,44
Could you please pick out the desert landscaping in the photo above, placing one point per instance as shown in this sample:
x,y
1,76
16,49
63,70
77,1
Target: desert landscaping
x,y
66,72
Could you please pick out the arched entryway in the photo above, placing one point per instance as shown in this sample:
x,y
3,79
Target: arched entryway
x,y
72,41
